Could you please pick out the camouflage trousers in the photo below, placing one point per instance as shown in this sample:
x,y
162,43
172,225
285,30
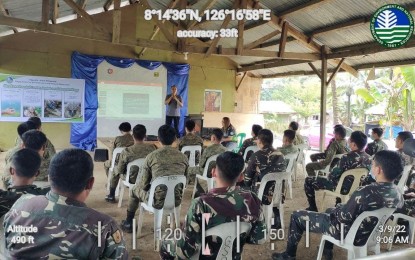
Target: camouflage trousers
x,y
107,165
139,195
312,167
317,156
318,223
311,184
116,176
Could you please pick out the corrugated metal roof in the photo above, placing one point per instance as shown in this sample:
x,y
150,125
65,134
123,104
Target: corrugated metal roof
x,y
323,14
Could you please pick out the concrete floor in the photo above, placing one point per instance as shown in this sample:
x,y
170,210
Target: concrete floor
x,y
145,242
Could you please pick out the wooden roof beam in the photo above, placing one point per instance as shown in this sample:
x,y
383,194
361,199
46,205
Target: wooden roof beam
x,y
55,11
303,7
264,38
223,26
84,15
302,38
255,25
209,4
171,5
270,65
45,12
335,71
107,5
5,12
172,38
315,69
116,22
283,39
365,49
241,29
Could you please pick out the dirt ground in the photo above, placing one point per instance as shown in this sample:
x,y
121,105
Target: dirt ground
x,y
145,242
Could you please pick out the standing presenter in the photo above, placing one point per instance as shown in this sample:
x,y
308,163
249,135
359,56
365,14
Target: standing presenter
x,y
173,104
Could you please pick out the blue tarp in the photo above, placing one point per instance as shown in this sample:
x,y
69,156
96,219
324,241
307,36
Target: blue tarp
x,y
84,135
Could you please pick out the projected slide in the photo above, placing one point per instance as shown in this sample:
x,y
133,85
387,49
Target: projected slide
x,y
130,100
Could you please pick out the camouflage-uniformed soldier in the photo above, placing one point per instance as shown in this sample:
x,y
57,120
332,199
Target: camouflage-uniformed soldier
x,y
357,158
25,165
34,140
378,144
123,140
213,149
224,203
408,160
338,146
250,141
262,162
49,147
321,156
66,227
383,193
190,139
298,139
136,151
287,143
164,161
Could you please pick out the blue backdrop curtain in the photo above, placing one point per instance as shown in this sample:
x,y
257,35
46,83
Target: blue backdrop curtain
x,y
84,135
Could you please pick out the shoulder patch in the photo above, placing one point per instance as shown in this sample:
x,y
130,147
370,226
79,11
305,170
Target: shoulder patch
x,y
117,236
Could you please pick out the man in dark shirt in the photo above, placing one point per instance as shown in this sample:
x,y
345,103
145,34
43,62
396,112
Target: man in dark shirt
x,y
173,104
386,166
250,141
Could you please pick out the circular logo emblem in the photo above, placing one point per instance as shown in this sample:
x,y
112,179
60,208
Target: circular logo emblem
x,y
392,26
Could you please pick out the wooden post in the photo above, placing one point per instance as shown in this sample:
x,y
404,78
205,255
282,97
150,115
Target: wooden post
x,y
323,100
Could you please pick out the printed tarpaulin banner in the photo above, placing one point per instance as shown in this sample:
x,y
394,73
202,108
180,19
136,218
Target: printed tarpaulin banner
x,y
50,99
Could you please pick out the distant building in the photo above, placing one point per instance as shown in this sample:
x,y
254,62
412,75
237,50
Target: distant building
x,y
283,111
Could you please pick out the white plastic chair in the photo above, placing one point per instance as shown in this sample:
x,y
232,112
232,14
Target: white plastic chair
x,y
405,175
357,173
227,232
353,251
168,208
324,172
252,148
117,151
205,175
278,177
2,239
292,157
411,221
126,183
301,158
192,150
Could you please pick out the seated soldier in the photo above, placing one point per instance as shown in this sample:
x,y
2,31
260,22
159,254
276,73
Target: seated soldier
x,y
386,166
164,161
298,138
250,141
228,130
377,144
24,167
190,139
213,149
357,158
123,140
21,129
136,151
262,162
66,227
338,146
49,148
408,160
288,143
35,140
321,156
224,203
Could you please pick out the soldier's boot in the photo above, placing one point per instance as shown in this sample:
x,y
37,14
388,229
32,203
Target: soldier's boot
x,y
111,197
277,220
127,225
312,203
338,201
